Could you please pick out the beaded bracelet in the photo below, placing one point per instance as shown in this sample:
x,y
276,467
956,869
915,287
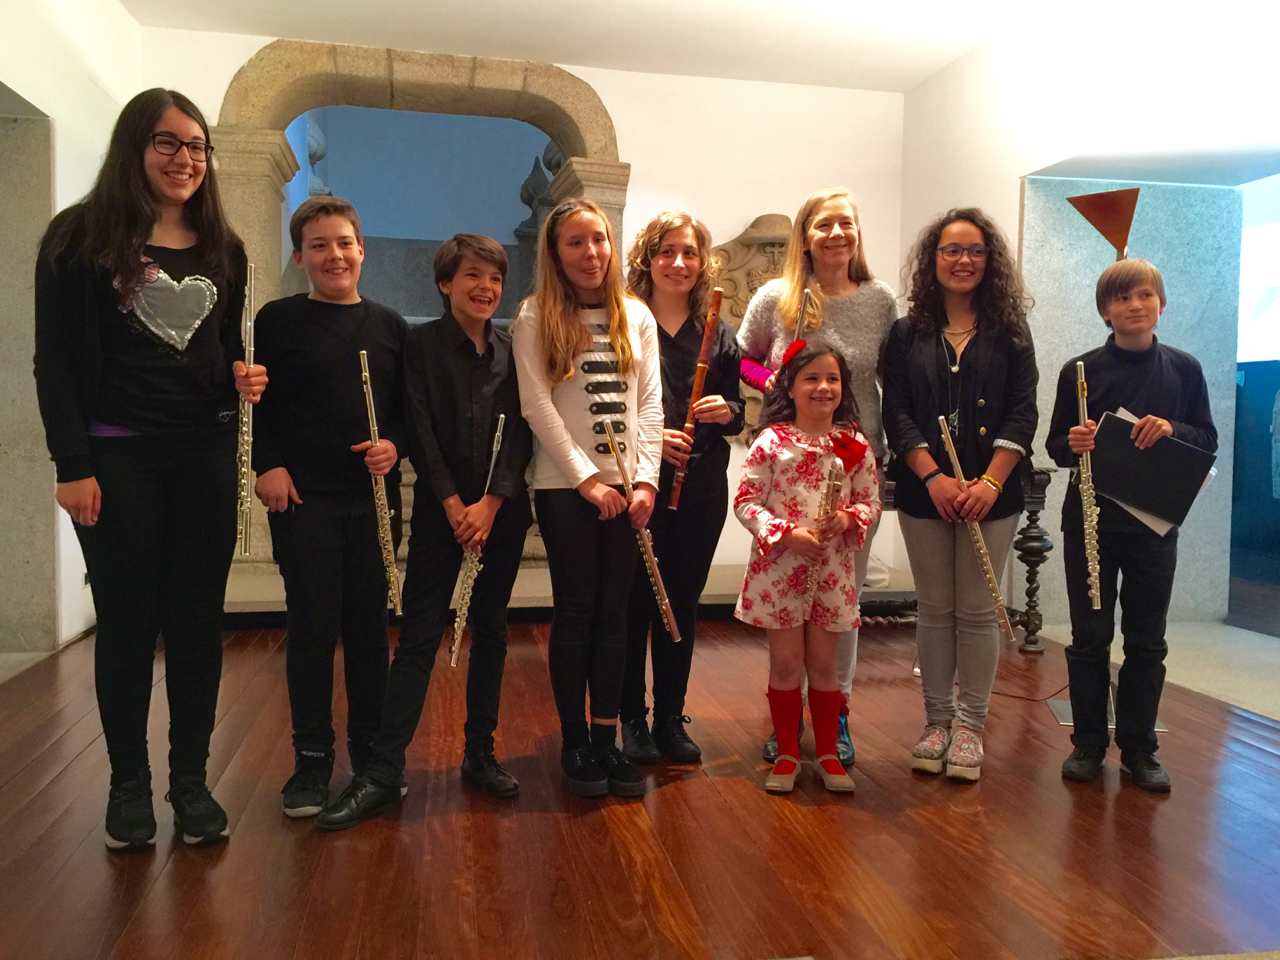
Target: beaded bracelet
x,y
992,482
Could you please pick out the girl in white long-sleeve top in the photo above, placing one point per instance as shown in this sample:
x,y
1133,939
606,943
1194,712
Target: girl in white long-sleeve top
x,y
586,353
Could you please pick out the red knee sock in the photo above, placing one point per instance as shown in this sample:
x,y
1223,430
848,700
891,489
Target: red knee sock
x,y
785,706
824,709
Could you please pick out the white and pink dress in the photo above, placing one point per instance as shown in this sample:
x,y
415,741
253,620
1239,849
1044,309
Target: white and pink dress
x,y
781,485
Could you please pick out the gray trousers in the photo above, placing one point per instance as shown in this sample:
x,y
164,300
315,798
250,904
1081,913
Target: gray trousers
x,y
957,634
847,645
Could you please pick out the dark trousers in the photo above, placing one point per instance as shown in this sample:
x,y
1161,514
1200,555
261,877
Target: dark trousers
x,y
591,563
434,561
158,559
684,542
1145,564
335,585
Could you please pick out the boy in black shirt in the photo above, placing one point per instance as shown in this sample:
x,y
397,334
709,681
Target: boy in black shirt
x,y
459,376
314,459
1165,388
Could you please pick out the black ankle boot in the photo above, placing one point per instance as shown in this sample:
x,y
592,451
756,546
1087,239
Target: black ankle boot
x,y
637,743
670,737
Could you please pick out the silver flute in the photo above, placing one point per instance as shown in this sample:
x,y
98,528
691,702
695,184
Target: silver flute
x,y
380,493
979,544
828,503
1088,501
804,311
471,565
646,543
244,444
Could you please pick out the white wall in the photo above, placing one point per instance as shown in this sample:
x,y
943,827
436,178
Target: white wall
x,y
199,65
730,150
1124,80
78,61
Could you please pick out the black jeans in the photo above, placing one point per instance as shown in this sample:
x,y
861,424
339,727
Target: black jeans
x,y
158,559
335,585
434,560
684,541
1146,563
591,563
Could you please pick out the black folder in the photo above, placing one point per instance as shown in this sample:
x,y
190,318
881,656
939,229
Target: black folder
x,y
1162,480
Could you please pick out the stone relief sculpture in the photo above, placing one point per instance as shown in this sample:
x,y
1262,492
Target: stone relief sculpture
x,y
317,150
747,263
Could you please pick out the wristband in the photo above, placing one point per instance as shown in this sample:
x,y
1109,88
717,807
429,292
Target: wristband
x,y
992,482
928,478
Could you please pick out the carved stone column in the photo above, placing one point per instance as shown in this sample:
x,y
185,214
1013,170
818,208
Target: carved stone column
x,y
253,168
603,181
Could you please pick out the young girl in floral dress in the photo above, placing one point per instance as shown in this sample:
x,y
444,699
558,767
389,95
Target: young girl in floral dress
x,y
800,584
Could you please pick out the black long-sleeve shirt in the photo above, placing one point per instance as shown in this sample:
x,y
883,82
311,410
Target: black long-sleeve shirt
x,y
313,409
708,461
80,328
1159,381
453,396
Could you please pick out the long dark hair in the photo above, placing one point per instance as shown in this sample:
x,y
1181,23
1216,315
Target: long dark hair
x,y
780,408
112,224
1002,302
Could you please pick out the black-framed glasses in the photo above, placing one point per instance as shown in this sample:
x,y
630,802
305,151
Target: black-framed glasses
x,y
169,145
952,252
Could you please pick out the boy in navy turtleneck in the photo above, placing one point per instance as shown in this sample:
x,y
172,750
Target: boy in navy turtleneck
x,y
1166,389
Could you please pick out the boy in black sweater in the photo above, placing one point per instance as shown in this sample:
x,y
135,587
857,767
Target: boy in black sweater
x,y
1165,388
459,376
313,458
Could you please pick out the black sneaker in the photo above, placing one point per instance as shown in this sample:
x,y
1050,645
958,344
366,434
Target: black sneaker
x,y
583,772
131,820
200,818
637,743
363,800
844,743
770,751
1083,766
624,777
486,773
307,791
675,744
1145,772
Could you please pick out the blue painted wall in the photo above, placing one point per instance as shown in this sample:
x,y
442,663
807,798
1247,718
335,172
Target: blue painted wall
x,y
1192,233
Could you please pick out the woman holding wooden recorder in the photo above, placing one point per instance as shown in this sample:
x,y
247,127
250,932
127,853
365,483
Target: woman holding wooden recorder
x,y
672,269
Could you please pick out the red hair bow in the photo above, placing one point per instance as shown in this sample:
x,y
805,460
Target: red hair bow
x,y
796,347
848,448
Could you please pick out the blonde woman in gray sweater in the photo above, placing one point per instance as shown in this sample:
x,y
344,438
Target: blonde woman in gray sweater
x,y
855,312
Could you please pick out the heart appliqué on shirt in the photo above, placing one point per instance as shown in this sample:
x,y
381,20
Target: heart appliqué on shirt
x,y
174,311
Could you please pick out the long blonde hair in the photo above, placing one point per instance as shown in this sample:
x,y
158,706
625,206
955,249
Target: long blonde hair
x,y
797,261
645,248
558,303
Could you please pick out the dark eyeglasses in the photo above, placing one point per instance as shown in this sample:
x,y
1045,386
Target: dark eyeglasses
x,y
168,145
952,252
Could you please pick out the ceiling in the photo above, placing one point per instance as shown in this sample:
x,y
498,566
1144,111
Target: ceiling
x,y
882,45
1223,167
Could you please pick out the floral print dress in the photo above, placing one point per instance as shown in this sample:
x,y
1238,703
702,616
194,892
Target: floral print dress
x,y
781,485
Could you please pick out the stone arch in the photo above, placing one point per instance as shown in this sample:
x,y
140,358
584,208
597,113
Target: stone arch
x,y
286,78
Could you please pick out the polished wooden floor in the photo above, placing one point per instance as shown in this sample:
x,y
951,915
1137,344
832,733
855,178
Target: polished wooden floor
x,y
707,865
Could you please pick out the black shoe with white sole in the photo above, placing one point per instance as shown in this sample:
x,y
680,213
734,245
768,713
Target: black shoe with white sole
x,y
307,791
131,818
200,818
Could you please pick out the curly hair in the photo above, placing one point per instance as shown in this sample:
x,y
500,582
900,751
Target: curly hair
x,y
646,246
1001,301
778,405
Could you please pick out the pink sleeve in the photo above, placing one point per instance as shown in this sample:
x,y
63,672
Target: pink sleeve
x,y
755,374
